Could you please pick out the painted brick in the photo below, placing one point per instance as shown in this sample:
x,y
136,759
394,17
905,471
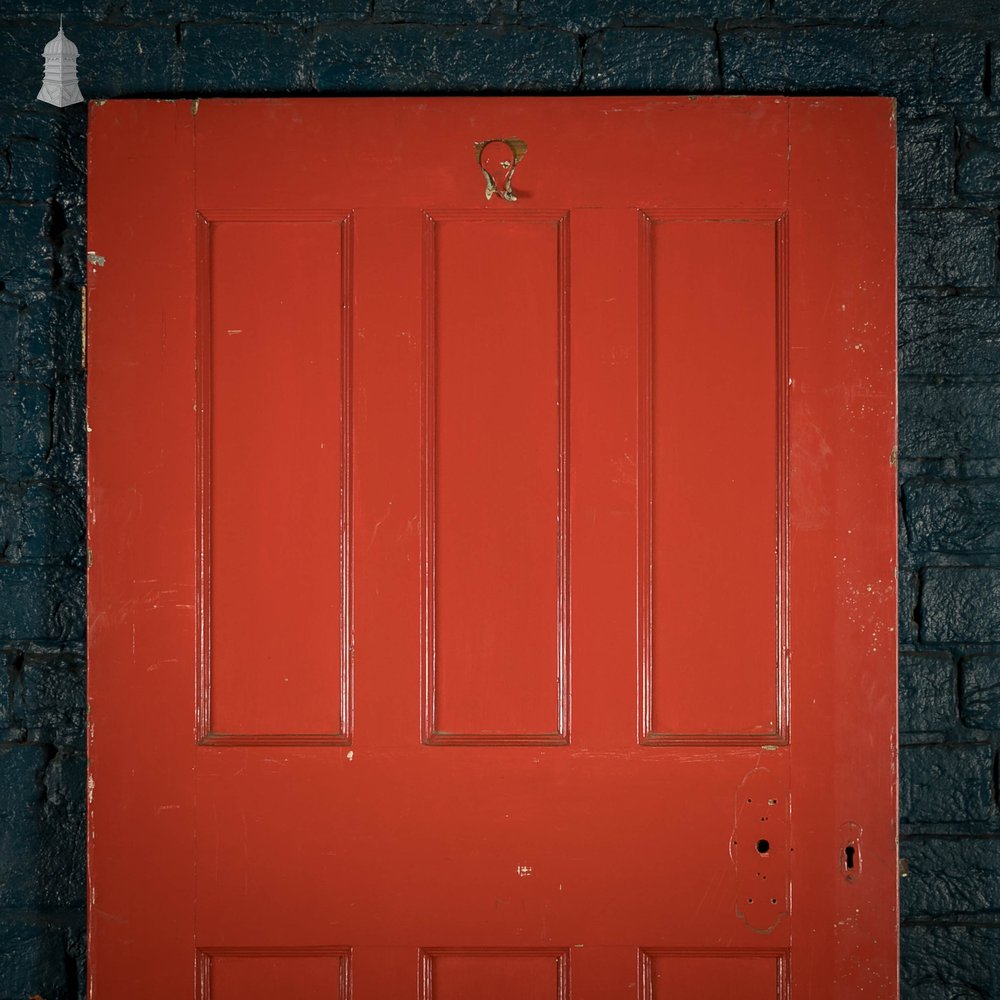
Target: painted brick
x,y
945,784
10,312
960,604
243,58
42,10
949,516
950,963
946,13
50,332
445,11
924,70
40,524
588,15
944,419
47,150
9,660
22,798
125,61
26,253
40,333
949,335
25,428
76,960
42,430
71,260
295,12
393,58
950,14
951,248
50,700
41,602
979,162
950,878
61,865
812,11
32,960
995,67
980,691
926,161
909,595
31,157
67,458
927,700
651,59
41,828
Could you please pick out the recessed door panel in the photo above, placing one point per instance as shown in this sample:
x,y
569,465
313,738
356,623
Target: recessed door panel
x,y
495,518
711,479
670,975
274,407
235,973
531,974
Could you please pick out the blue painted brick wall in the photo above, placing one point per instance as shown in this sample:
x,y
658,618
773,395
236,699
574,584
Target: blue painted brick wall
x,y
941,58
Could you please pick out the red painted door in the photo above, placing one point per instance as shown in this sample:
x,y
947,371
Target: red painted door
x,y
492,598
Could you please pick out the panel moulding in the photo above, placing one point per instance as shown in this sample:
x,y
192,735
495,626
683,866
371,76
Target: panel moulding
x,y
205,732
647,972
430,732
341,988
560,956
647,735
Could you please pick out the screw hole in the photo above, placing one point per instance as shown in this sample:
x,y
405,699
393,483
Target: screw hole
x,y
763,846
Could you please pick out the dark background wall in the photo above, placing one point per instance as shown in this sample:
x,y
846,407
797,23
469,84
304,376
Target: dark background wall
x,y
942,61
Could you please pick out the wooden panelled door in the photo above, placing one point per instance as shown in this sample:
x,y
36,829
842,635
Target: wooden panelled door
x,y
492,519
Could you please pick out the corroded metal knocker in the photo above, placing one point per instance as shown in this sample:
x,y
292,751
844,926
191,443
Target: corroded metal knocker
x,y
498,158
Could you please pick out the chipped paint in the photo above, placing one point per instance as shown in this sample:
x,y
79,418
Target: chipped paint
x,y
83,327
95,259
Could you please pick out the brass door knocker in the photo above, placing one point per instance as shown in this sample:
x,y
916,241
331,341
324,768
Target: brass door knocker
x,y
499,158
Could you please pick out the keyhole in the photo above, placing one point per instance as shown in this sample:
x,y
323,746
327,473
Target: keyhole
x,y
849,856
763,846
